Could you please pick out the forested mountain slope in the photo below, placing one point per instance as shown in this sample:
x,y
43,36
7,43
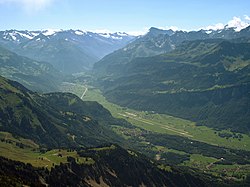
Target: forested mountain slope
x,y
206,81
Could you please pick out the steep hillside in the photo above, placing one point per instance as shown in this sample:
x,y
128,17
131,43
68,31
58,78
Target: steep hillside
x,y
53,120
38,76
112,166
69,51
206,81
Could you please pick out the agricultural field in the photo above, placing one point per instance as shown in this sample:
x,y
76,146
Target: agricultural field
x,y
208,165
24,151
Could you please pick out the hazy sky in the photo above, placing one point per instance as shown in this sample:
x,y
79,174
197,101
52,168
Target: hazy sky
x,y
121,15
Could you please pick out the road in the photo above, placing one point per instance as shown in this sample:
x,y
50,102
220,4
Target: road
x,y
85,88
84,92
178,131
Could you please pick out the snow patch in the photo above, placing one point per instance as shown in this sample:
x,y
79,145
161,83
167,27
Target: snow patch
x,y
34,34
116,38
25,35
209,32
105,35
80,32
13,36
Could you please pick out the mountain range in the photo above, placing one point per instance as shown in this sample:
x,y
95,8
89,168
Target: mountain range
x,y
158,41
69,51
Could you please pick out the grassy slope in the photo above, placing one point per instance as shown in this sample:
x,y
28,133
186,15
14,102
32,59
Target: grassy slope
x,y
30,153
54,120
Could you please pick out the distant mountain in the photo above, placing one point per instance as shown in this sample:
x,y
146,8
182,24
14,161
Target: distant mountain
x,y
206,81
38,76
158,41
69,51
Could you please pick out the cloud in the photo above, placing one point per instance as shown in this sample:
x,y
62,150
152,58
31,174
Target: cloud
x,y
217,26
145,30
139,33
247,17
102,31
173,28
29,5
237,23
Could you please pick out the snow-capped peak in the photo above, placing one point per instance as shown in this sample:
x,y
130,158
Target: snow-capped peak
x,y
17,35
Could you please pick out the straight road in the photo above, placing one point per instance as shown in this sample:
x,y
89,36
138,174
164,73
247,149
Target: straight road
x,y
84,92
181,132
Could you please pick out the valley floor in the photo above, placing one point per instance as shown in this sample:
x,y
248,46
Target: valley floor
x,y
170,125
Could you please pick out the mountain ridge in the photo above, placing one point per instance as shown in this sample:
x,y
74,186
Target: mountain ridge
x,y
36,75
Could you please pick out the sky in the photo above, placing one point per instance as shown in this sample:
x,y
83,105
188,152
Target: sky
x,y
131,16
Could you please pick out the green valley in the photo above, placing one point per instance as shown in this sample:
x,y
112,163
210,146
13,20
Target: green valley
x,y
163,123
169,125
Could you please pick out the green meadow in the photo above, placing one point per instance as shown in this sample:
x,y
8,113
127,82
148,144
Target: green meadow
x,y
162,123
29,153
